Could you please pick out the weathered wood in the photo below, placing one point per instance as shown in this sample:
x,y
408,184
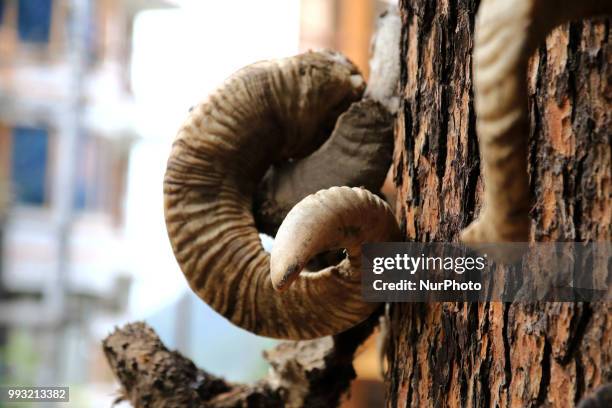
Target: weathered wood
x,y
495,354
314,373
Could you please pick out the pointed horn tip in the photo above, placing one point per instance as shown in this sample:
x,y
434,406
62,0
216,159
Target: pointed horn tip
x,y
282,278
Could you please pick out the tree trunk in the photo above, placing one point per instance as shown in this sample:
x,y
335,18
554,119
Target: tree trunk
x,y
496,354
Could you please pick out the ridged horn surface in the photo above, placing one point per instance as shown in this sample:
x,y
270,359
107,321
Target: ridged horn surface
x,y
337,218
506,35
266,113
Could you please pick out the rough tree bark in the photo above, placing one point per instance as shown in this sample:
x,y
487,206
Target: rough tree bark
x,y
496,354
313,373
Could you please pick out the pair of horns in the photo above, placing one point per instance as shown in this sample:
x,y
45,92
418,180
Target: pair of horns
x,y
507,33
244,158
258,146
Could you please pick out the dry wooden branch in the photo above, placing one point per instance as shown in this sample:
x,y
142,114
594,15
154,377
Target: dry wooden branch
x,y
313,373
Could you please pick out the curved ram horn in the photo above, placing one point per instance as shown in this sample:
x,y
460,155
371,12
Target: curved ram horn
x,y
267,114
507,33
340,217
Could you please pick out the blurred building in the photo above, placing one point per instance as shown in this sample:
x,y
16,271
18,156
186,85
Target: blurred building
x,y
66,127
67,131
343,25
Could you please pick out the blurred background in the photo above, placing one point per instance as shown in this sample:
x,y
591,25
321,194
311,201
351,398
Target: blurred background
x,y
91,95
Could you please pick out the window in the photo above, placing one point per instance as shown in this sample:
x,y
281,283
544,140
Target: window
x,y
29,157
89,175
34,20
99,175
2,5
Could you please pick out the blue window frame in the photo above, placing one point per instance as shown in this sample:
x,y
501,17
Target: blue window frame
x,y
34,20
30,148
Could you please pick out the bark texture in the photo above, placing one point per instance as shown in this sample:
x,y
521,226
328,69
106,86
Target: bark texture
x,y
312,373
496,354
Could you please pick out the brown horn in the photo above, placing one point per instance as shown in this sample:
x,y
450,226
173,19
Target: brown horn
x,y
506,35
267,113
340,217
